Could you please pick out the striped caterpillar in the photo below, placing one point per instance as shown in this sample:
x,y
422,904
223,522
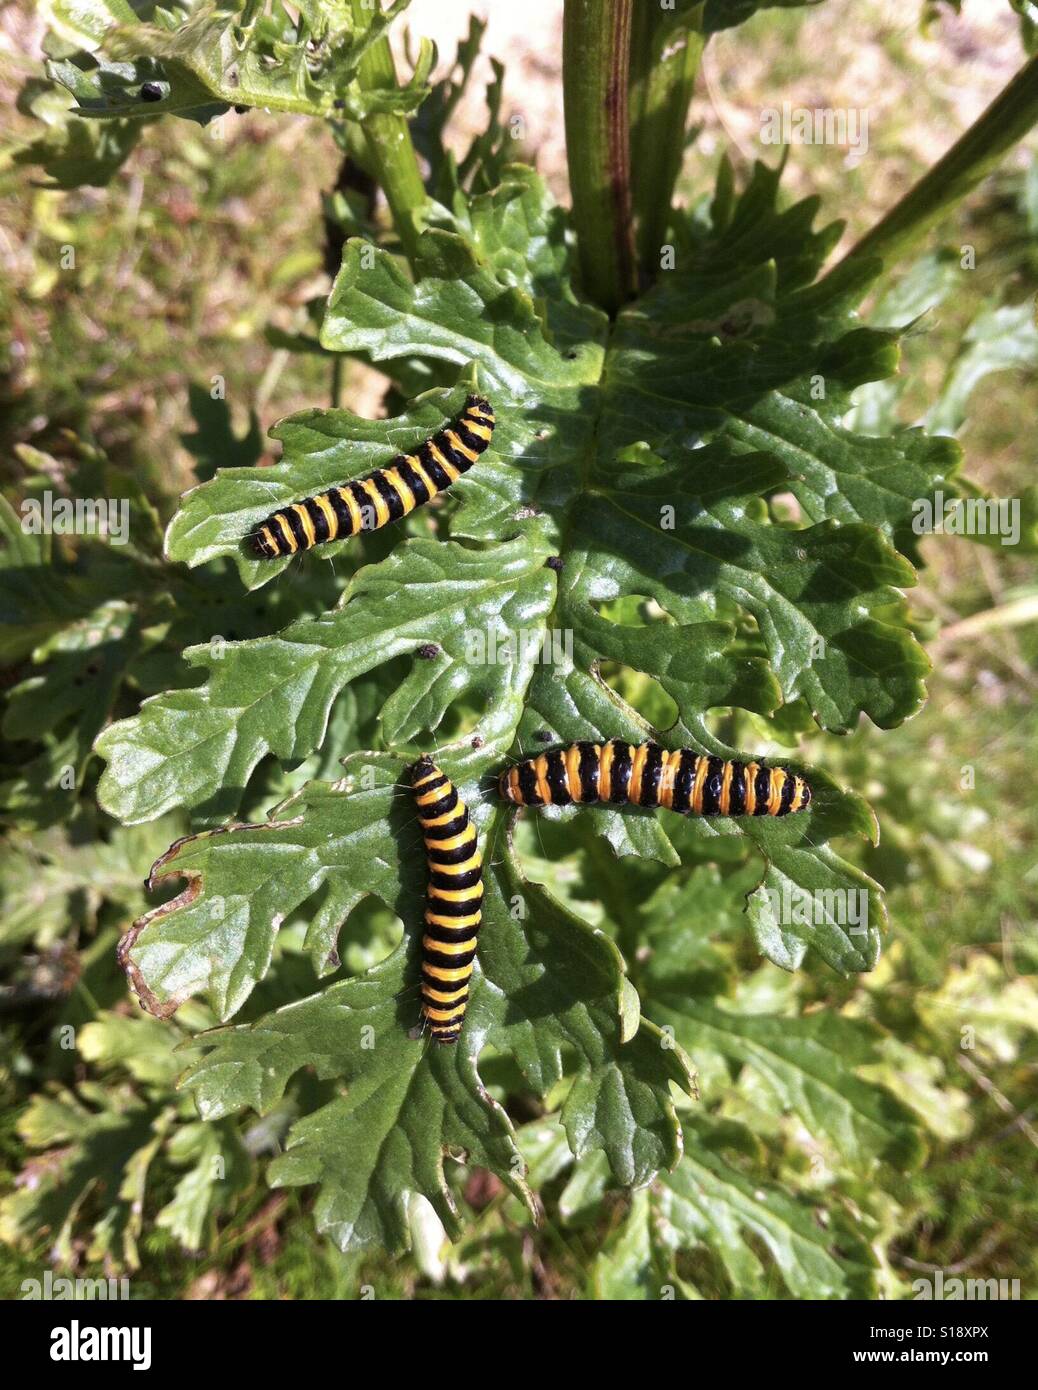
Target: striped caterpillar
x,y
453,900
368,503
647,775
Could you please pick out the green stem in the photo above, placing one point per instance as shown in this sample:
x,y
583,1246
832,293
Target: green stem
x,y
388,140
1009,117
665,62
596,38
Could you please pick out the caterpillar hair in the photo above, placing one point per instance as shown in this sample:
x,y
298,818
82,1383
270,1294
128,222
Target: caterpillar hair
x,y
647,775
453,900
368,503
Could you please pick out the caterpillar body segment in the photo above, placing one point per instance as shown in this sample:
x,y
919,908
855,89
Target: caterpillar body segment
x,y
645,774
371,502
453,900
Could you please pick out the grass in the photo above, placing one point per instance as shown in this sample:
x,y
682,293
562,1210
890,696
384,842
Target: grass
x,y
180,265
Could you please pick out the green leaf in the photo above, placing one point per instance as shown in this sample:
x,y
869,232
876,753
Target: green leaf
x,y
632,1265
766,1243
280,701
919,1081
86,646
64,708
107,1146
214,441
85,23
726,14
709,1199
73,153
997,340
100,1145
215,1166
30,611
808,1066
481,166
711,16
643,460
809,897
925,285
546,985
141,1045
46,881
229,55
111,90
823,598
979,1008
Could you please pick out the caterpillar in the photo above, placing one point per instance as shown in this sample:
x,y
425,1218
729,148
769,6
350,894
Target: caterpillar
x,y
453,900
647,775
368,503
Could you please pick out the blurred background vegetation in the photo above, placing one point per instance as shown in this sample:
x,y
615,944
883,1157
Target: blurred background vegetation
x,y
199,260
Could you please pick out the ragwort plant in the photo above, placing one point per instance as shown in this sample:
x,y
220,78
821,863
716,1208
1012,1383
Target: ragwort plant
x,y
683,530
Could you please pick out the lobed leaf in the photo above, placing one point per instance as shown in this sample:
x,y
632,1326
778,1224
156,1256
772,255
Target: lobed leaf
x,y
545,986
215,55
641,460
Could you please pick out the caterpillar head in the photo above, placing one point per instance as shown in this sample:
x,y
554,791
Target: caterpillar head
x,y
422,770
261,542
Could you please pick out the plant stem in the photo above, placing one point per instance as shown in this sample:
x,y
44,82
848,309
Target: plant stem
x,y
596,38
664,65
1009,117
388,139
1017,613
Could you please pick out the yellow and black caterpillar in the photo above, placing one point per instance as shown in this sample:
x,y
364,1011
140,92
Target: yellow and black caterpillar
x,y
453,900
368,503
647,775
